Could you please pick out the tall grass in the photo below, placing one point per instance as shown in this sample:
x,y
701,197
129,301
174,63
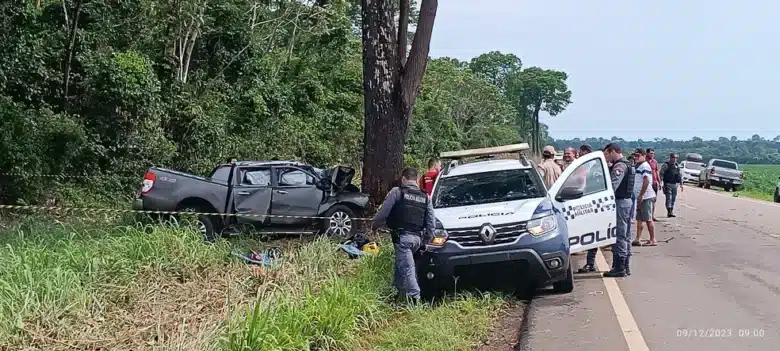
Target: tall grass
x,y
82,286
55,274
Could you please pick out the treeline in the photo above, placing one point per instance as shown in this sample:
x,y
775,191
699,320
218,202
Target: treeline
x,y
112,87
755,150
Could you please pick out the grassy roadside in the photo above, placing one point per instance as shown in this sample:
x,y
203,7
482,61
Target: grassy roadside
x,y
760,182
70,286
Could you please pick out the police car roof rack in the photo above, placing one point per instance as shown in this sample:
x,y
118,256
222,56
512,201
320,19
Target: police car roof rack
x,y
455,157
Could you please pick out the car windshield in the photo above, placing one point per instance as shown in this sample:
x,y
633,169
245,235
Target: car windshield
x,y
724,164
487,187
694,166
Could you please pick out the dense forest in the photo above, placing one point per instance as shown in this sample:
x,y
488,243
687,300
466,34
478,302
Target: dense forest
x,y
755,150
109,88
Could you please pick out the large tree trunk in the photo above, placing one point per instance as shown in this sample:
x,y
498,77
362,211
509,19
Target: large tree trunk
x,y
391,83
537,143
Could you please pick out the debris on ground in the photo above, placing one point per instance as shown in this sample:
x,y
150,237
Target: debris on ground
x,y
267,257
359,245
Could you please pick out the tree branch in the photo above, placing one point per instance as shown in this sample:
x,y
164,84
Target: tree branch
x,y
418,56
403,29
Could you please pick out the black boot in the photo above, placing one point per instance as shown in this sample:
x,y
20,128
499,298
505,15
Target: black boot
x,y
628,270
670,213
618,268
587,268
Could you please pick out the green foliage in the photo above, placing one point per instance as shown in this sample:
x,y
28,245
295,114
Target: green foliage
x,y
188,84
529,90
760,181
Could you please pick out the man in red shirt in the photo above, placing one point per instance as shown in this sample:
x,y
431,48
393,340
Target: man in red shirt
x,y
429,178
650,158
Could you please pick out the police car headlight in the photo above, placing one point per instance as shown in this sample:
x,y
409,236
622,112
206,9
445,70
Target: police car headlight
x,y
542,226
439,237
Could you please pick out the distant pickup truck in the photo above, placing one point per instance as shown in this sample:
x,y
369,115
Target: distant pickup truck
x,y
722,173
276,188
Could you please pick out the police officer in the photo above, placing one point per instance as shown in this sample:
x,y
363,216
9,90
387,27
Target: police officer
x,y
622,174
408,212
671,178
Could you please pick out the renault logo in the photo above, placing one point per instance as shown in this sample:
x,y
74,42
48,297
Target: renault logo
x,y
487,233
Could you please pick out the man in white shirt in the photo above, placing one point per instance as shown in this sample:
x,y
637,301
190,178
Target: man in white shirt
x,y
645,197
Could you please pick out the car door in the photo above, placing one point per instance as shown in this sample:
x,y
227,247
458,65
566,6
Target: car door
x,y
252,194
295,194
591,218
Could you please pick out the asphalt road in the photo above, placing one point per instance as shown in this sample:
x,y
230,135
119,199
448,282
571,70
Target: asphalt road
x,y
715,286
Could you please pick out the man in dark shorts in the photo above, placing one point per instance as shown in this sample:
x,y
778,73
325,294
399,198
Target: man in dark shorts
x,y
650,158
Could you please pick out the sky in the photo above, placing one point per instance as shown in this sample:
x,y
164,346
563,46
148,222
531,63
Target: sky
x,y
637,69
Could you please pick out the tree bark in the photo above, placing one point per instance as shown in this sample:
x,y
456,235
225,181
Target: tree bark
x,y
537,145
391,83
69,53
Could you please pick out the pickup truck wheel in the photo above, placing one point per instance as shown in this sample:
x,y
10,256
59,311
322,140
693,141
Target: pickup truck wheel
x,y
339,222
205,225
567,285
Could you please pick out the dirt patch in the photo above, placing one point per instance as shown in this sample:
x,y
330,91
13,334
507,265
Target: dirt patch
x,y
505,329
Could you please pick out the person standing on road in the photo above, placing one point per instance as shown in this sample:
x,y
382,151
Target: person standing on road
x,y
408,213
671,178
622,176
629,234
645,197
550,170
650,156
429,178
590,259
569,155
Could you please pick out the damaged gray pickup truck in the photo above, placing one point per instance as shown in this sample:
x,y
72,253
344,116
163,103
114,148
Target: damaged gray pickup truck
x,y
276,188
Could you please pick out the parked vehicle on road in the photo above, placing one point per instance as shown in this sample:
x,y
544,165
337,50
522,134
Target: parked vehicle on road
x,y
260,188
493,212
777,192
694,157
690,170
722,173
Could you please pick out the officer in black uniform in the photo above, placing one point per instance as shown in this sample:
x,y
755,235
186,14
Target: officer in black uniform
x,y
622,174
671,178
408,212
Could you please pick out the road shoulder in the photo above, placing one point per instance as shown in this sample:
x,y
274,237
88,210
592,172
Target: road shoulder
x,y
582,320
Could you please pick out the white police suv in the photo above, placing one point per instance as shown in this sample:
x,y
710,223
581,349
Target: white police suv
x,y
492,212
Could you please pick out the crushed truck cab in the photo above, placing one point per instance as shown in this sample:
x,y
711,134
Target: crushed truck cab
x,y
498,211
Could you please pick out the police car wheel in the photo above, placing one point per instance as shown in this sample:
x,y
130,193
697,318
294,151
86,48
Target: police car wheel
x,y
567,285
339,222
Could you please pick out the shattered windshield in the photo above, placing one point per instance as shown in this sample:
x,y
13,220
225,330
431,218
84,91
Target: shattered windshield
x,y
488,187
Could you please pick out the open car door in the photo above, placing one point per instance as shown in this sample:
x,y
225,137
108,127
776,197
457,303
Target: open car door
x,y
584,195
